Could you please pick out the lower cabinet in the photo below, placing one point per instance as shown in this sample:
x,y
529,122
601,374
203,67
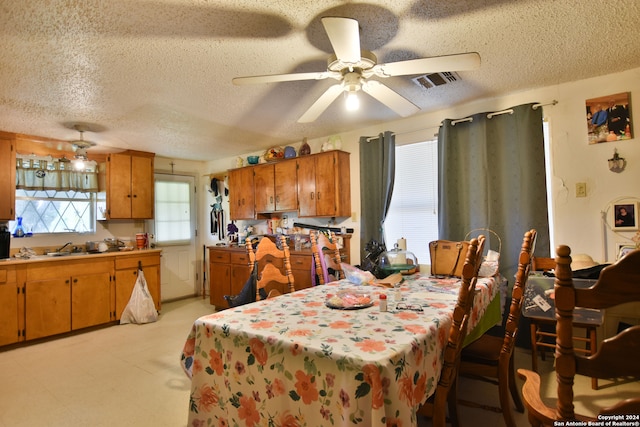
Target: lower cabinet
x,y
126,273
301,269
9,301
228,272
66,296
91,300
43,299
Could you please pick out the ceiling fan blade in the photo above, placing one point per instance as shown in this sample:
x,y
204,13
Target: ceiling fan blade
x,y
321,104
344,35
274,78
391,99
435,64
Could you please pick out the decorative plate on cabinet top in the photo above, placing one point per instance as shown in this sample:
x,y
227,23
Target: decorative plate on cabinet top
x,y
289,152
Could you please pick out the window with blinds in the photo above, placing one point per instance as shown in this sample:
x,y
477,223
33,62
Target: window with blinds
x,y
173,212
413,213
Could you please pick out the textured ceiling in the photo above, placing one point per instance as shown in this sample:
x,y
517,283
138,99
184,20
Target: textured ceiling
x,y
155,75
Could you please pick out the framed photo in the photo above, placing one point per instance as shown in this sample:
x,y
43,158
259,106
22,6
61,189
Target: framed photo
x,y
623,249
625,216
609,118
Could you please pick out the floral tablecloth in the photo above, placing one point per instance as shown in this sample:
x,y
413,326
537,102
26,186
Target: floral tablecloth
x,y
293,361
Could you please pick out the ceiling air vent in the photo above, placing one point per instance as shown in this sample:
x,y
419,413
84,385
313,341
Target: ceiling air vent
x,y
436,79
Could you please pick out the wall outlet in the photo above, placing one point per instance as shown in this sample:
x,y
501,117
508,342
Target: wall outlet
x,y
581,189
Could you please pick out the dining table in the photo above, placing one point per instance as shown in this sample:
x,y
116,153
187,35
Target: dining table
x,y
300,360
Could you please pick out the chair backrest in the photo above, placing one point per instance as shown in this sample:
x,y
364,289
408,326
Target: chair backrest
x,y
319,243
542,264
524,267
458,330
618,283
263,257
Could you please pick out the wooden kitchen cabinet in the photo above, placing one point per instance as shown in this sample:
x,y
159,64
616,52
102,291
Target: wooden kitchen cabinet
x,y
9,301
56,293
228,272
91,297
324,185
130,185
241,194
7,179
275,187
126,275
301,269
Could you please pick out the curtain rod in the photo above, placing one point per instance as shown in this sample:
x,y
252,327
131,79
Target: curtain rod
x,y
497,113
467,119
536,106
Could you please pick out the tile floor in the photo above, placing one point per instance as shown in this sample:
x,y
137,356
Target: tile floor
x,y
130,375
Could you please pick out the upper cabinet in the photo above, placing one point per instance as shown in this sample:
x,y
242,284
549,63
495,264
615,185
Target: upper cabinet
x,y
324,185
275,187
7,179
316,185
130,186
241,194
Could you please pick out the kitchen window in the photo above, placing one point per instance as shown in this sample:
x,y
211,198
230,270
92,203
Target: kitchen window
x,y
50,211
413,212
54,197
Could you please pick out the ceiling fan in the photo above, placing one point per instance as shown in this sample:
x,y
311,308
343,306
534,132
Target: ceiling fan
x,y
80,146
353,68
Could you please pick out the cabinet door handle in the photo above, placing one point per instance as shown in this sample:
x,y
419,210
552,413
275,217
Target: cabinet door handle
x,y
135,195
312,194
318,198
129,195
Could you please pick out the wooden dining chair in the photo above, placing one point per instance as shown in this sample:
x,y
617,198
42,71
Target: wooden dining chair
x,y
274,266
320,243
491,358
617,284
437,404
543,336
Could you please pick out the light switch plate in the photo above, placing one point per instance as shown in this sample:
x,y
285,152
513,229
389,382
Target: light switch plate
x,y
581,189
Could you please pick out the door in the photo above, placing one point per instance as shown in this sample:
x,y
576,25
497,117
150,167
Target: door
x,y
306,186
174,229
119,188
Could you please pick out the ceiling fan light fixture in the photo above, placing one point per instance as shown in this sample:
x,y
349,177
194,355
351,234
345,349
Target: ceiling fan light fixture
x,y
352,102
80,158
352,83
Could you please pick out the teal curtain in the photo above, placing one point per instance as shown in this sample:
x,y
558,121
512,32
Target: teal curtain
x,y
377,172
492,175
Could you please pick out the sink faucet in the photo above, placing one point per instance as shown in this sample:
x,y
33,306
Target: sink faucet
x,y
64,246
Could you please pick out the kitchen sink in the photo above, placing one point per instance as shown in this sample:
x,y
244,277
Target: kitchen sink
x,y
57,254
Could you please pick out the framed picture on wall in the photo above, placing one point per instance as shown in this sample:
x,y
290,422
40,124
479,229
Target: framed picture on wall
x,y
609,118
624,249
625,216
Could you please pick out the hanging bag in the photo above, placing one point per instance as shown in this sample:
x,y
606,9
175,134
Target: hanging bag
x,y
140,308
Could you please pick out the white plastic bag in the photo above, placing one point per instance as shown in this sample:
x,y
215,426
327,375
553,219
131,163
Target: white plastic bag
x,y
140,308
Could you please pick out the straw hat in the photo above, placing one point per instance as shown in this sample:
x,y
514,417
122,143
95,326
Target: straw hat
x,y
580,261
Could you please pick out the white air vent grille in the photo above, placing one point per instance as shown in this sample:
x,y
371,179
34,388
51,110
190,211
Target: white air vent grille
x,y
436,79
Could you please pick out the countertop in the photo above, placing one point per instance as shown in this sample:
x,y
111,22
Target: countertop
x,y
77,256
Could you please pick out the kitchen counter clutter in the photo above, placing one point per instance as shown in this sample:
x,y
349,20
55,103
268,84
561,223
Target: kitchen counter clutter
x,y
46,296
